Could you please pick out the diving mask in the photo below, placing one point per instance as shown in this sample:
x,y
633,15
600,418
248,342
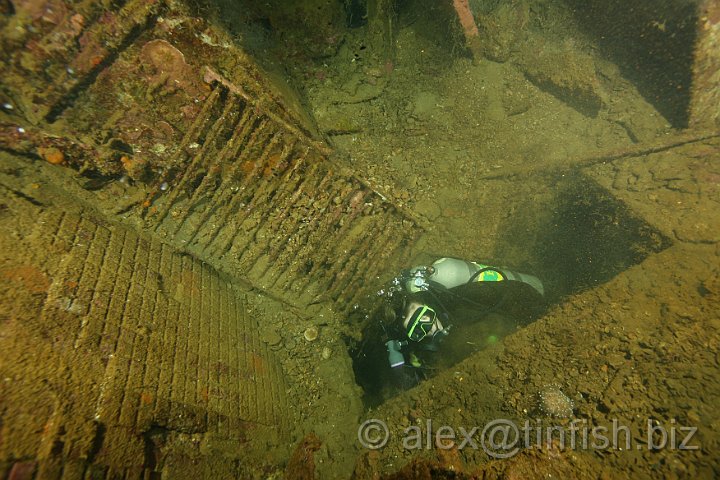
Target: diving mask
x,y
421,323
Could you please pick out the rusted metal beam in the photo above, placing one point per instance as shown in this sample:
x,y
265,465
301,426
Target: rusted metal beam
x,y
705,91
592,159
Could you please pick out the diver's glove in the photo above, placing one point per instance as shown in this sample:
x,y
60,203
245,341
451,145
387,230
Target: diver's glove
x,y
434,343
443,333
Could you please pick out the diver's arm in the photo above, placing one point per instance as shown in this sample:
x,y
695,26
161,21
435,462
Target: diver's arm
x,y
405,377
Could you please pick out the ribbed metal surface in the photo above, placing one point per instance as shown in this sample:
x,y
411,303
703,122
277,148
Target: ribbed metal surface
x,y
259,197
248,189
122,340
65,48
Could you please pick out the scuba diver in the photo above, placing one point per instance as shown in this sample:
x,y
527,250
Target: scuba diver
x,y
422,329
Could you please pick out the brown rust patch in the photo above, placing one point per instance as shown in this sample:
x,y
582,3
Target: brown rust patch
x,y
52,155
29,277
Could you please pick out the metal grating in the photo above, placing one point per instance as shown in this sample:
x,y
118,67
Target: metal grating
x,y
245,187
260,198
119,335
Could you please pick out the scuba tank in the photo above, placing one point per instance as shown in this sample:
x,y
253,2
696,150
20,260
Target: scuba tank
x,y
453,272
421,328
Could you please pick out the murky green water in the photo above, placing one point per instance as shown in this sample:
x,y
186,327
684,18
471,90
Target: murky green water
x,y
208,207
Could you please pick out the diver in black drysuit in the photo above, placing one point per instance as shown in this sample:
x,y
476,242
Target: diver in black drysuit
x,y
421,328
421,331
